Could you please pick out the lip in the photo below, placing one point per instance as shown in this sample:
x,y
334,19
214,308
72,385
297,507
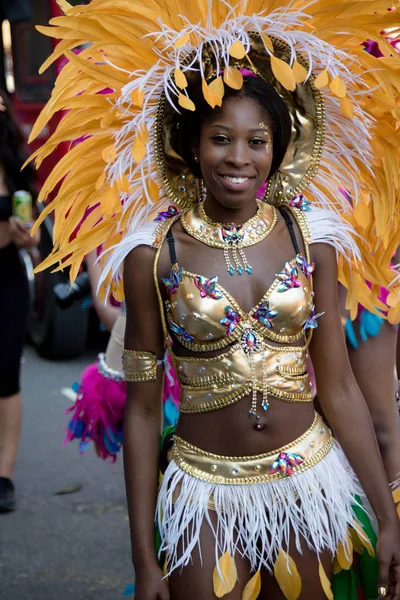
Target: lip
x,y
236,187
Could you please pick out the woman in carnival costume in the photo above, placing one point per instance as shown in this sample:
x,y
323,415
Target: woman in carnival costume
x,y
258,500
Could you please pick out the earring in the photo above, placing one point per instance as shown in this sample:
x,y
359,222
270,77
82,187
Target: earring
x,y
196,158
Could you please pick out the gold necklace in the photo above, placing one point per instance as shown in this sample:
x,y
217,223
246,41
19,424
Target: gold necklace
x,y
230,237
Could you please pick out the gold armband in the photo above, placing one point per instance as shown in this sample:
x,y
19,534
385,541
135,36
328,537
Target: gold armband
x,y
139,366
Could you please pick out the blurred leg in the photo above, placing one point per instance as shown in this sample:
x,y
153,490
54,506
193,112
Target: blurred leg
x,y
10,427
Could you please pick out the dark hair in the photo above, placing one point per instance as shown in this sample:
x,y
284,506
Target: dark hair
x,y
189,124
13,152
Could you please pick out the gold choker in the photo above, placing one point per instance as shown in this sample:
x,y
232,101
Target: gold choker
x,y
230,237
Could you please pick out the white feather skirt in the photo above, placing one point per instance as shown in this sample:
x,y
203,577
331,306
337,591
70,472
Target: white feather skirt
x,y
256,520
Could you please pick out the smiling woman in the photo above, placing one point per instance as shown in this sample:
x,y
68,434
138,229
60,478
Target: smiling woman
x,y
209,105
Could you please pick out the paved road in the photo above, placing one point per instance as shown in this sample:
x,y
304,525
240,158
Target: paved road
x,y
65,547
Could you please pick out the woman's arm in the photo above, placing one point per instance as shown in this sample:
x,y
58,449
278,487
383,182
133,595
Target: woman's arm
x,y
143,422
106,312
346,410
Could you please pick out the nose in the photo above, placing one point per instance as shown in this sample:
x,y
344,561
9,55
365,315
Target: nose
x,y
238,154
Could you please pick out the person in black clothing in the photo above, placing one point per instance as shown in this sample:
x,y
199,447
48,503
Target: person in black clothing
x,y
14,295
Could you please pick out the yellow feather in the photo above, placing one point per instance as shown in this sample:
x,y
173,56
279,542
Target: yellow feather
x,y
252,588
182,41
186,102
338,87
346,108
233,78
210,96
267,42
237,50
137,97
227,568
396,495
287,576
138,150
180,79
362,214
336,567
398,511
325,583
300,72
64,5
123,184
363,539
217,86
101,180
109,154
344,555
322,80
105,74
283,73
154,192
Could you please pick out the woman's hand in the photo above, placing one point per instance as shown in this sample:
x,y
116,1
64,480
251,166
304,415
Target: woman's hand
x,y
150,584
21,235
388,554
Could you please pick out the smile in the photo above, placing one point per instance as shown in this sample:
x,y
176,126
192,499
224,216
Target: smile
x,y
236,184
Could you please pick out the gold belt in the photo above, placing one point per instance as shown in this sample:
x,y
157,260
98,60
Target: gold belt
x,y
290,460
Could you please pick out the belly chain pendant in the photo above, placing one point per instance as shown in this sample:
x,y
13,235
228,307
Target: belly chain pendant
x,y
251,344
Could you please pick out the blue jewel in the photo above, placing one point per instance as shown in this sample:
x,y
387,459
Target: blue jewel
x,y
265,406
240,270
252,413
231,271
249,269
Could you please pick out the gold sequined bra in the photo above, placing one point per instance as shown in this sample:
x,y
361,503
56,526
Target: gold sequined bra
x,y
204,317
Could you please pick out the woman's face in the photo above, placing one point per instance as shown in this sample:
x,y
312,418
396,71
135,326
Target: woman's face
x,y
235,152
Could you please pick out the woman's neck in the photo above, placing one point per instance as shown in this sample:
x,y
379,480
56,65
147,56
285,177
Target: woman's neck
x,y
221,214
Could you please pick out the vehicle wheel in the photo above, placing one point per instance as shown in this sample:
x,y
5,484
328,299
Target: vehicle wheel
x,y
56,332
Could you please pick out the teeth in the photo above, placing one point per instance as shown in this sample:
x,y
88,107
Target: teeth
x,y
236,179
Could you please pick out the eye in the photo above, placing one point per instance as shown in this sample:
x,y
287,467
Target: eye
x,y
220,138
258,141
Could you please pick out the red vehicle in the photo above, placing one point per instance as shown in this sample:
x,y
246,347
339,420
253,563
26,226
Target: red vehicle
x,y
58,332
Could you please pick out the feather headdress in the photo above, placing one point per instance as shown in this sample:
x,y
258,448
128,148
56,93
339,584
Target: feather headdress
x,y
146,53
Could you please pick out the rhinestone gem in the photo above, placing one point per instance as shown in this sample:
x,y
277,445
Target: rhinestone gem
x,y
301,310
228,365
235,471
322,430
282,329
312,445
202,370
174,304
183,177
210,336
298,361
208,396
301,387
259,426
196,316
258,468
189,397
214,468
305,289
189,296
249,269
180,368
278,359
231,271
182,189
240,270
183,316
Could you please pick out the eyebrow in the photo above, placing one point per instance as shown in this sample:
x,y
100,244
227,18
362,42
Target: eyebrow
x,y
219,126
